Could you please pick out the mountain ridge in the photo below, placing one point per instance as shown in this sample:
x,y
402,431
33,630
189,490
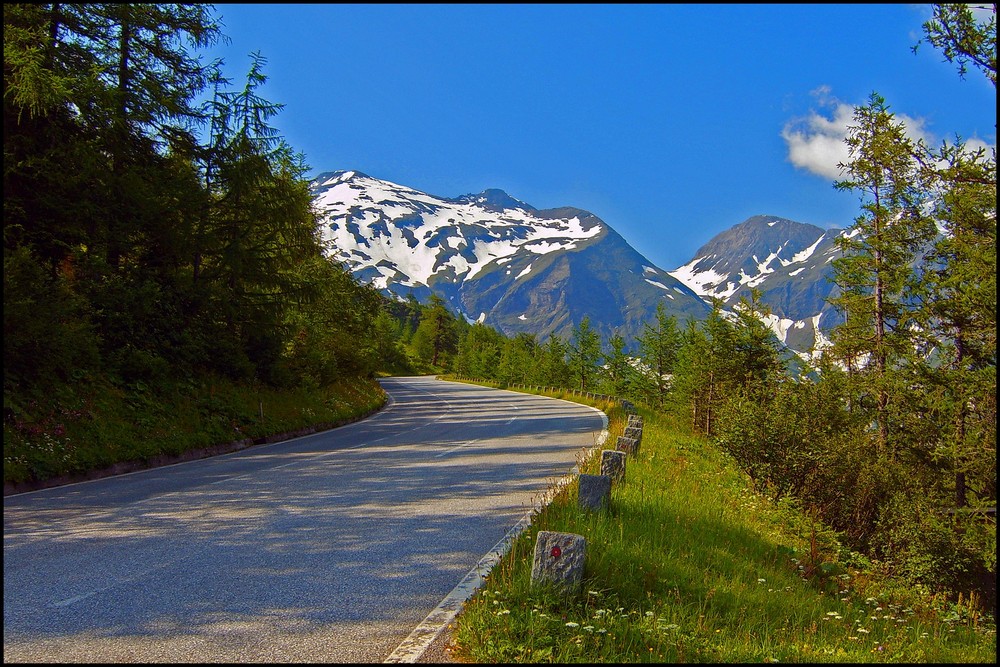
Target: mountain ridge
x,y
495,259
498,260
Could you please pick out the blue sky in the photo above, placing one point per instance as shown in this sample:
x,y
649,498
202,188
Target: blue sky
x,y
670,122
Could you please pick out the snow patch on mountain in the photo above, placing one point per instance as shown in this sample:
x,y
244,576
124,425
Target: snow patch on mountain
x,y
411,237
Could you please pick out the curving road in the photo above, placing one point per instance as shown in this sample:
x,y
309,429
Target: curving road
x,y
327,548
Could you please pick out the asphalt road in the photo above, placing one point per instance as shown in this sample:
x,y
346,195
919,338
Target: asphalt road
x,y
328,548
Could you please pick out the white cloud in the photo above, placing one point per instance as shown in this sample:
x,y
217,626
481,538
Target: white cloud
x,y
816,142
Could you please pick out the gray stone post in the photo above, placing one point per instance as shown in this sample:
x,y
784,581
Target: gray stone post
x,y
628,445
613,464
558,560
594,492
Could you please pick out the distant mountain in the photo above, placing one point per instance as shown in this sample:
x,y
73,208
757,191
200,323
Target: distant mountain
x,y
496,259
789,262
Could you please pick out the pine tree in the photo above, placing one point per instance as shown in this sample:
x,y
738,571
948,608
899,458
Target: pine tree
x,y
584,353
954,31
659,345
436,335
875,273
551,361
618,373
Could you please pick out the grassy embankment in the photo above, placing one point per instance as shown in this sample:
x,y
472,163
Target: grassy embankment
x,y
691,564
90,431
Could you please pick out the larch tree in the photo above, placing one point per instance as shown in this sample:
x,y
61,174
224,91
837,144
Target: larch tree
x,y
875,272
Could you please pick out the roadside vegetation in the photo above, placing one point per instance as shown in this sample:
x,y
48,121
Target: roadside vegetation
x,y
693,564
103,428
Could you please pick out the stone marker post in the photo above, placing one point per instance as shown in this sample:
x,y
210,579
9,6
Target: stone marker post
x,y
613,464
558,560
594,492
628,445
633,432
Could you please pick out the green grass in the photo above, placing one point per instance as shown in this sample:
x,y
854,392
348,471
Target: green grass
x,y
90,427
692,565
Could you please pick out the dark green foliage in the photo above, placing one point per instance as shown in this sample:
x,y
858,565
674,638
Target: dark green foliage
x,y
584,354
139,255
48,339
436,337
658,349
479,352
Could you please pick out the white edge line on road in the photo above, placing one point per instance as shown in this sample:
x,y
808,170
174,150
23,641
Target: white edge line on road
x,y
411,648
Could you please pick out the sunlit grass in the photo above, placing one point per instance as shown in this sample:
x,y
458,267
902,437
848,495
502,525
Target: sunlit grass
x,y
692,565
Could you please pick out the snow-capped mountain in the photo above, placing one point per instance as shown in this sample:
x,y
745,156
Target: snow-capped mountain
x,y
789,262
496,259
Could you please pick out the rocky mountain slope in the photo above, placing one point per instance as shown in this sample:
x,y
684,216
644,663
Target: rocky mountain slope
x,y
789,262
498,260
495,259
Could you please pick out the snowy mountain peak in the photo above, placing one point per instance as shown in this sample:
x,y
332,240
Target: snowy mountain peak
x,y
492,257
392,234
789,262
494,200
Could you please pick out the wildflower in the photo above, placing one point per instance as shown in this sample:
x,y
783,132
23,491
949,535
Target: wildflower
x,y
571,624
588,628
761,581
649,613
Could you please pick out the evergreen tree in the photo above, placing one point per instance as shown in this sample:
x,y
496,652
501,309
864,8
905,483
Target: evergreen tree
x,y
659,345
516,359
954,31
436,336
551,363
618,373
584,354
756,359
479,352
875,273
957,320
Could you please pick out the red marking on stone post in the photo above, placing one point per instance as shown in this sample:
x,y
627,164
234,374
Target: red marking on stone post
x,y
556,552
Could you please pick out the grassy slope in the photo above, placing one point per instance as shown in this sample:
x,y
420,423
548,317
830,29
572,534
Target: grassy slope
x,y
692,565
91,431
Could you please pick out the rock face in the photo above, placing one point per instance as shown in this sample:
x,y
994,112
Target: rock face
x,y
558,560
788,261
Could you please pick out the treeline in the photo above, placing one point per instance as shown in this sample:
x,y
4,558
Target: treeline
x,y
160,248
148,235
